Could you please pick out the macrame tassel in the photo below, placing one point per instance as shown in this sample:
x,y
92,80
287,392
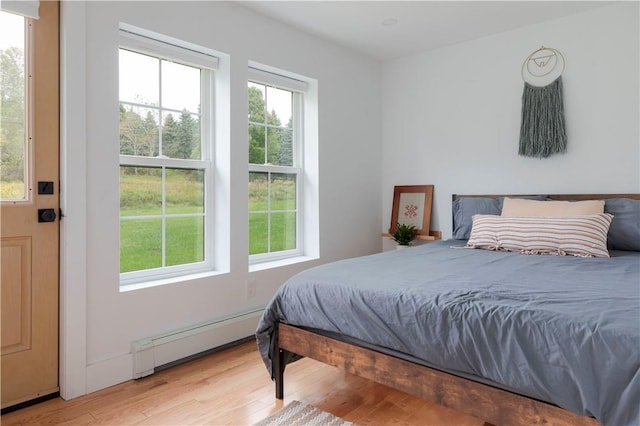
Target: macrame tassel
x,y
542,132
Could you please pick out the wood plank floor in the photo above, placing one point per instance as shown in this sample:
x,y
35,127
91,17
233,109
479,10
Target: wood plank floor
x,y
232,387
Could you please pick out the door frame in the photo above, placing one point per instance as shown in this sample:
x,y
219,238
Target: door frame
x,y
73,200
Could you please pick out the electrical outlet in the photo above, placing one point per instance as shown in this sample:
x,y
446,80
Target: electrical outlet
x,y
251,288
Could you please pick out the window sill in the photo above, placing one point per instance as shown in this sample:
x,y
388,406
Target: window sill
x,y
279,263
165,281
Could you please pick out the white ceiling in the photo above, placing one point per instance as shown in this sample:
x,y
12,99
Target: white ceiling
x,y
420,25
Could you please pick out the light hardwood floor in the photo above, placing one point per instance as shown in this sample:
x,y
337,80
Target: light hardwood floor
x,y
232,387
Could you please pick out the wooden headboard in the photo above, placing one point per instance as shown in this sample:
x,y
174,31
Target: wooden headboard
x,y
557,197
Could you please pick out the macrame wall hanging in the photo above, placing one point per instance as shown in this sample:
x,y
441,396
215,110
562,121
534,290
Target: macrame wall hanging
x,y
542,131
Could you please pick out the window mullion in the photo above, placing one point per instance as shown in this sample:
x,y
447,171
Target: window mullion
x,y
164,108
266,129
207,152
206,130
176,163
268,212
296,131
160,123
164,216
275,169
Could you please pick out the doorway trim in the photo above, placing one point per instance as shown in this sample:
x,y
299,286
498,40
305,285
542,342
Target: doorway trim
x,y
73,200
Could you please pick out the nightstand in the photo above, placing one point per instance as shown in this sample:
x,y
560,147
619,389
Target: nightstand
x,y
389,244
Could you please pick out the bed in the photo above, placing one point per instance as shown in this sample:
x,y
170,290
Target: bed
x,y
511,338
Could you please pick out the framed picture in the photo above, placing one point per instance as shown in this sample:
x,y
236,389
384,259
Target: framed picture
x,y
412,206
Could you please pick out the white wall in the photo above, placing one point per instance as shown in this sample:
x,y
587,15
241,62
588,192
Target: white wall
x,y
451,117
99,322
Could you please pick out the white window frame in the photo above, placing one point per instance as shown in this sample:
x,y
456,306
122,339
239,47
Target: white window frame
x,y
26,8
162,47
280,80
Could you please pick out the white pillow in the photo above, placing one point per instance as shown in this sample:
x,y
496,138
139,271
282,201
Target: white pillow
x,y
513,207
581,235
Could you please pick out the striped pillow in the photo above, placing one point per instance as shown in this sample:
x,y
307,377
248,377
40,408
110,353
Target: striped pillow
x,y
582,235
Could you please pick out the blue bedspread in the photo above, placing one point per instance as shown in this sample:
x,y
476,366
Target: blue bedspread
x,y
562,329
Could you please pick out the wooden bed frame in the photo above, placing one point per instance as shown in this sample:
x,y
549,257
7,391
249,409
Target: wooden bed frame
x,y
493,405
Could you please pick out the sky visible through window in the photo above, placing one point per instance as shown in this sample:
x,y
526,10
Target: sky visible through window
x,y
278,100
140,82
11,30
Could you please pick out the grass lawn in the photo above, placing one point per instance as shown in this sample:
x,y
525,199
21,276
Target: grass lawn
x,y
141,242
141,238
12,190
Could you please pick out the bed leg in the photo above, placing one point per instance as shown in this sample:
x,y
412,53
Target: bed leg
x,y
278,366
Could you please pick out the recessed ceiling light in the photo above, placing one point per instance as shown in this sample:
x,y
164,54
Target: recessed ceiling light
x,y
388,22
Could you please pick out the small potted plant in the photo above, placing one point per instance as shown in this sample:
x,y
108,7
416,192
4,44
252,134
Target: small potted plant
x,y
404,235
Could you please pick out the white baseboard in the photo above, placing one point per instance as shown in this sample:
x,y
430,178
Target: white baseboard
x,y
109,372
153,352
148,354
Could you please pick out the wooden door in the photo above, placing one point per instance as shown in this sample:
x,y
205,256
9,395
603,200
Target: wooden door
x,y
30,248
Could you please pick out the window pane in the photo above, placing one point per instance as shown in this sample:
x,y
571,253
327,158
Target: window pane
x,y
139,131
140,191
139,78
258,233
140,244
258,191
285,148
270,125
273,146
256,102
283,191
184,191
280,105
256,144
181,135
283,231
258,222
13,179
185,240
180,87
270,229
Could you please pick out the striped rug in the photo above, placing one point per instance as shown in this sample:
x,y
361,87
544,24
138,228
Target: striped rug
x,y
298,413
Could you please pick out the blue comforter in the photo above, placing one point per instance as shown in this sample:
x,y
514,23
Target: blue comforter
x,y
562,329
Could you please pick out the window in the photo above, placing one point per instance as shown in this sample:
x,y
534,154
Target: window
x,y
166,176
275,165
14,166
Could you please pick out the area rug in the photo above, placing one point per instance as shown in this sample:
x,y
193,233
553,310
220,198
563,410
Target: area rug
x,y
298,413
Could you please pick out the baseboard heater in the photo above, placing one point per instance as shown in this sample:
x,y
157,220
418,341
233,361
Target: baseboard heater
x,y
154,352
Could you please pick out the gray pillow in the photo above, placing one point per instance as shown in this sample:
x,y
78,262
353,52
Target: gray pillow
x,y
624,232
464,208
